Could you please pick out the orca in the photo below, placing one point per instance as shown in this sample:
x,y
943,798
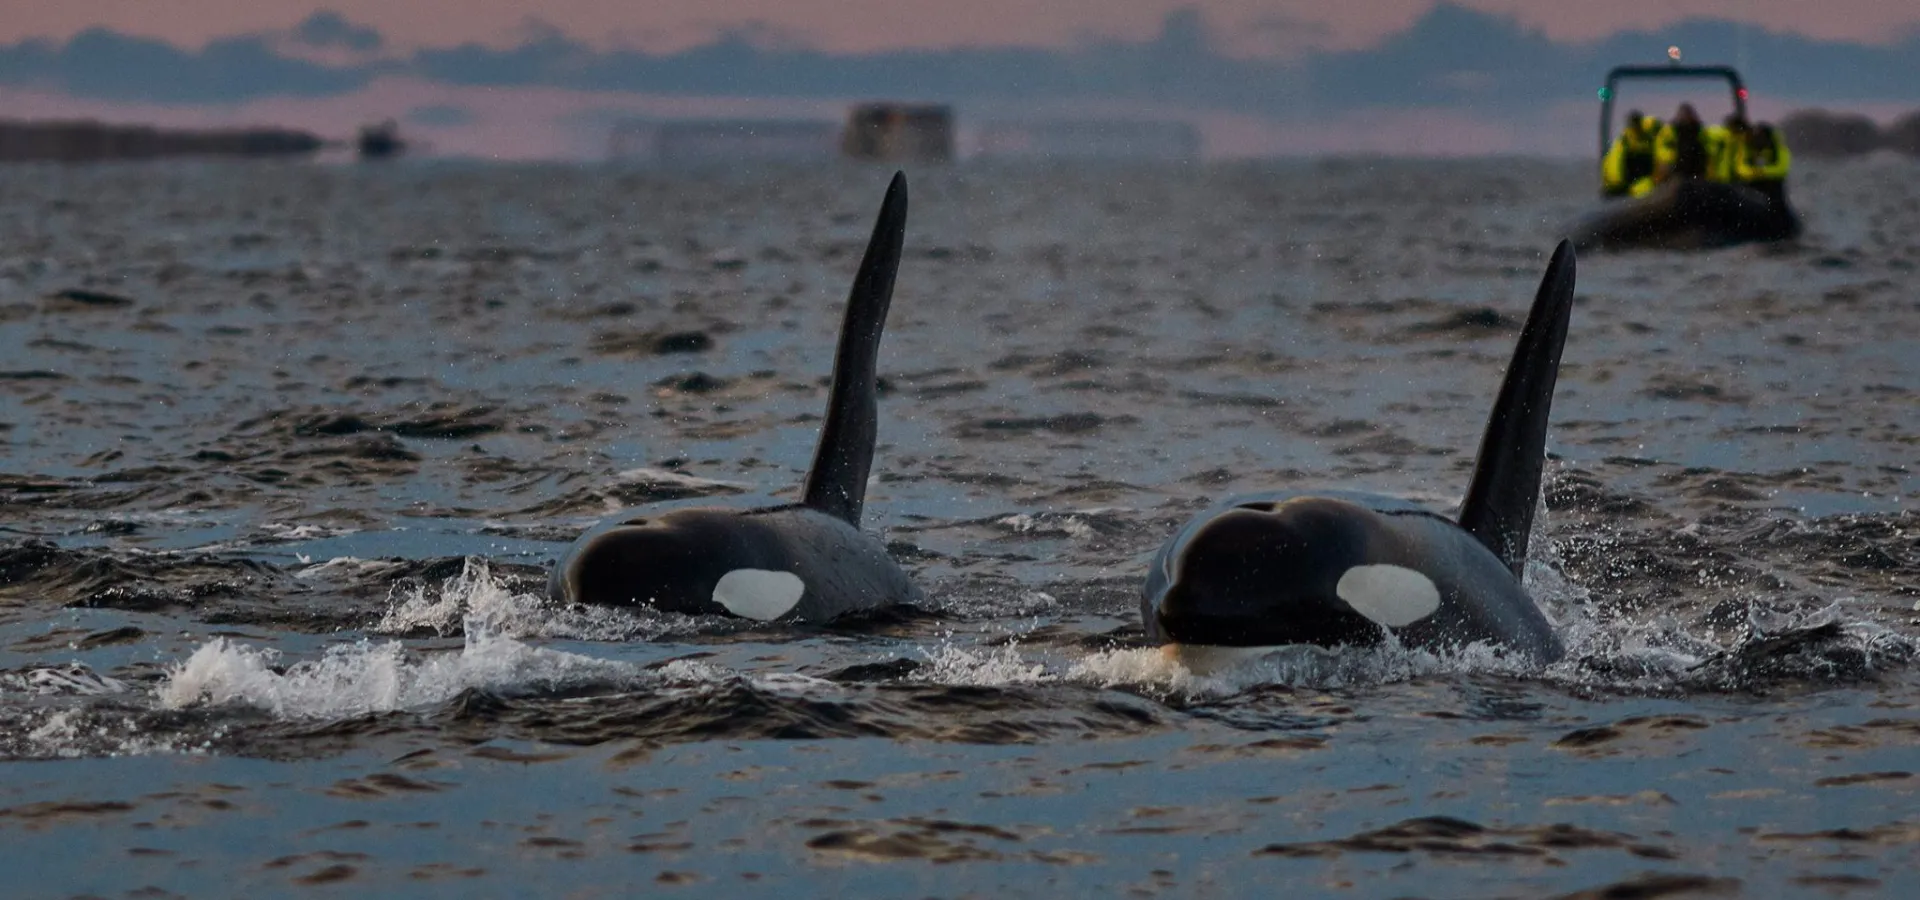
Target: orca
x,y
1336,568
807,561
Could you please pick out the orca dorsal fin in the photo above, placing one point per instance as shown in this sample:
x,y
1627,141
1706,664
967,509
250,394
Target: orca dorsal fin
x,y
837,483
1506,475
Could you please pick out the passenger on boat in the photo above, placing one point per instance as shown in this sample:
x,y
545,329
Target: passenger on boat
x,y
1726,145
1628,165
1764,162
1680,151
1714,139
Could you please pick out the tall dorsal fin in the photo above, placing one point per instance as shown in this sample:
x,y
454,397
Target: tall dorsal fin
x,y
837,483
1506,476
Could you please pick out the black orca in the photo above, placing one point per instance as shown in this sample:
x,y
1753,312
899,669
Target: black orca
x,y
807,561
1335,569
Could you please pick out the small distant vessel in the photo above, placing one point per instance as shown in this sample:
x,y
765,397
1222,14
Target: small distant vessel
x,y
899,132
1686,214
381,141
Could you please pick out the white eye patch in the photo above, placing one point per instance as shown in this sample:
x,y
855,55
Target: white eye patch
x,y
758,594
1393,596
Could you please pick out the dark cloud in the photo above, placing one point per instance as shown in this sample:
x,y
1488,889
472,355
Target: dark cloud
x,y
1279,34
327,29
104,64
1452,57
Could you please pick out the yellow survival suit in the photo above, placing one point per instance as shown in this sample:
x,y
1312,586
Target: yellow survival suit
x,y
1764,161
1628,166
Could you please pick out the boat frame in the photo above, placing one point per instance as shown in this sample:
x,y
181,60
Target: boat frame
x,y
1675,70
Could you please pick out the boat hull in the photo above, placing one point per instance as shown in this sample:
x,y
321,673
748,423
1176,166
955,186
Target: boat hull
x,y
1689,215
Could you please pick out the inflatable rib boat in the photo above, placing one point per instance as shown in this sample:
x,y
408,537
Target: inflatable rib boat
x,y
1687,215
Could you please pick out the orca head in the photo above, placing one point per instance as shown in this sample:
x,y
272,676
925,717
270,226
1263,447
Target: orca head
x,y
1304,571
694,562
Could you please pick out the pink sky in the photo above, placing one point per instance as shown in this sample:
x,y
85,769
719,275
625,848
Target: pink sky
x,y
1245,25
522,123
535,122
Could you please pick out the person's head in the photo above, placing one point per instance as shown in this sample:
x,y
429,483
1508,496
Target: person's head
x,y
1736,123
1636,119
1763,131
1686,115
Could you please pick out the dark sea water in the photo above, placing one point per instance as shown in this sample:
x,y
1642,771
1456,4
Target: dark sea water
x,y
285,452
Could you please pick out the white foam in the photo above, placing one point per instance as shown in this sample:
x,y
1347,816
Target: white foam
x,y
948,664
1210,671
473,593
1019,603
73,734
1204,660
1149,667
306,531
1224,671
367,677
1205,672
380,676
1653,653
344,565
476,599
58,736
1072,526
74,679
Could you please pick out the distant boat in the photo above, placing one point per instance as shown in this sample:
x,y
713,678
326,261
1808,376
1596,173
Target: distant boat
x,y
899,132
1689,214
381,141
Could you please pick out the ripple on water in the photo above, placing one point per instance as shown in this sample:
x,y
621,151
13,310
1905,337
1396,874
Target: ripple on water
x,y
209,546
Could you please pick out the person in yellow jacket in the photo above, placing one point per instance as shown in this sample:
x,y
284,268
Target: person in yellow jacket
x,y
1680,151
1764,162
1629,161
1726,145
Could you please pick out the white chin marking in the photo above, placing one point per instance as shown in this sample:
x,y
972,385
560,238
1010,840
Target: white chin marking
x,y
1393,596
759,594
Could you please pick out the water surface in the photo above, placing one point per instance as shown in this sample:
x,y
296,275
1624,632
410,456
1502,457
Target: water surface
x,y
285,452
